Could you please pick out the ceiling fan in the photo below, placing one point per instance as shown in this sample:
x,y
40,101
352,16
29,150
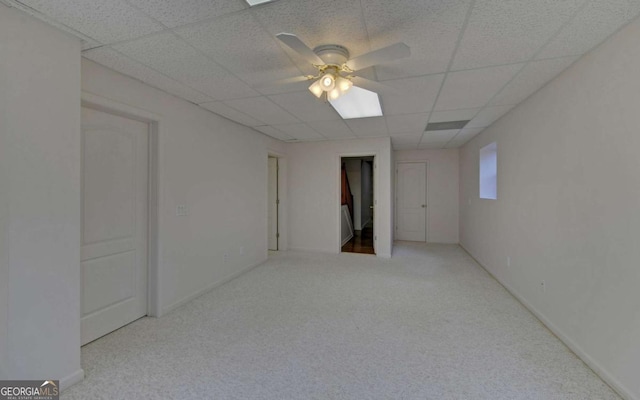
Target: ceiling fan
x,y
335,68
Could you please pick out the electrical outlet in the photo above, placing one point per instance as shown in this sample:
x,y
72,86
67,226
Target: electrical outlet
x,y
543,286
181,210
508,261
226,257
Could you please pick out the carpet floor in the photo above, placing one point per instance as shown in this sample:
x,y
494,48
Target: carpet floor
x,y
427,324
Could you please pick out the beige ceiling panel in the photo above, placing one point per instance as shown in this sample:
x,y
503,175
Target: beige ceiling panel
x,y
534,75
507,32
593,24
105,21
414,95
123,64
172,56
306,106
262,109
174,13
415,22
475,88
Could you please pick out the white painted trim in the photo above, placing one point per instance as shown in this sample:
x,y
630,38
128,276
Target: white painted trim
x,y
572,345
426,196
154,120
307,250
283,239
210,287
376,194
345,214
71,379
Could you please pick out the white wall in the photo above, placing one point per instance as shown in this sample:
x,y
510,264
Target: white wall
x,y
353,168
442,191
39,201
314,184
214,166
568,207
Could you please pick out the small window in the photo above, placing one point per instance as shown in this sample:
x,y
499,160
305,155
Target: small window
x,y
489,171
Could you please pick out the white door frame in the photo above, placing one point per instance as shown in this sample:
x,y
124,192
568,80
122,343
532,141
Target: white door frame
x,y
100,103
426,198
282,196
376,195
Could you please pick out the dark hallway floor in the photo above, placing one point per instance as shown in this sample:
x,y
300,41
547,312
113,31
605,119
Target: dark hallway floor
x,y
362,242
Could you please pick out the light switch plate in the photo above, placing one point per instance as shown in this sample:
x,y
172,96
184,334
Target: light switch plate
x,y
181,210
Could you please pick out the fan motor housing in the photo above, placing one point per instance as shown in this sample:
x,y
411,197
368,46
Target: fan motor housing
x,y
332,54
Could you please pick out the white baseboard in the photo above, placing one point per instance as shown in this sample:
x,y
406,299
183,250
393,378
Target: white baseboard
x,y
345,240
208,288
71,380
573,346
381,255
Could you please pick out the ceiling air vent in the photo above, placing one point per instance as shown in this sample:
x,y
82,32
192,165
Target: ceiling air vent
x,y
445,126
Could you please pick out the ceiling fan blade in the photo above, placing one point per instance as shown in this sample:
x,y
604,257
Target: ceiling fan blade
x,y
286,81
373,86
380,56
299,47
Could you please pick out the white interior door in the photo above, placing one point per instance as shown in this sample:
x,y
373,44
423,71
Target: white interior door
x,y
273,203
114,222
411,189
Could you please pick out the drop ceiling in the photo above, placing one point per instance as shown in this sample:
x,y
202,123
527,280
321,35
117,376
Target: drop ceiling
x,y
471,59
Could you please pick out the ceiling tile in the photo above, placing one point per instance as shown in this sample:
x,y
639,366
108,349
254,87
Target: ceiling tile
x,y
591,26
464,136
471,89
414,95
532,77
506,32
273,132
406,140
121,63
305,106
399,147
488,116
170,55
220,108
332,129
454,115
175,13
468,133
317,22
239,43
437,138
105,21
412,22
299,131
414,123
368,127
262,109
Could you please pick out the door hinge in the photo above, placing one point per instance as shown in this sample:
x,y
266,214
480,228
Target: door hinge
x,y
277,201
277,235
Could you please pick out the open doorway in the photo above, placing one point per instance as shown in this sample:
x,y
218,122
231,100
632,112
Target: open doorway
x,y
273,230
357,204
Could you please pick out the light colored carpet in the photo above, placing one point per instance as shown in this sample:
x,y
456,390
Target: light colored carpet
x,y
427,324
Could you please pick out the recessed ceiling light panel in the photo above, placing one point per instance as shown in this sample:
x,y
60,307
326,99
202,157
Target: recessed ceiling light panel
x,y
444,126
357,103
252,3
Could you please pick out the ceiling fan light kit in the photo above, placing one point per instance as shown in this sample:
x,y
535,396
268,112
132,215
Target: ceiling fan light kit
x,y
335,68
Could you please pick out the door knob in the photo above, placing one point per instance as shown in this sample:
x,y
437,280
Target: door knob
x,y
371,207
424,205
